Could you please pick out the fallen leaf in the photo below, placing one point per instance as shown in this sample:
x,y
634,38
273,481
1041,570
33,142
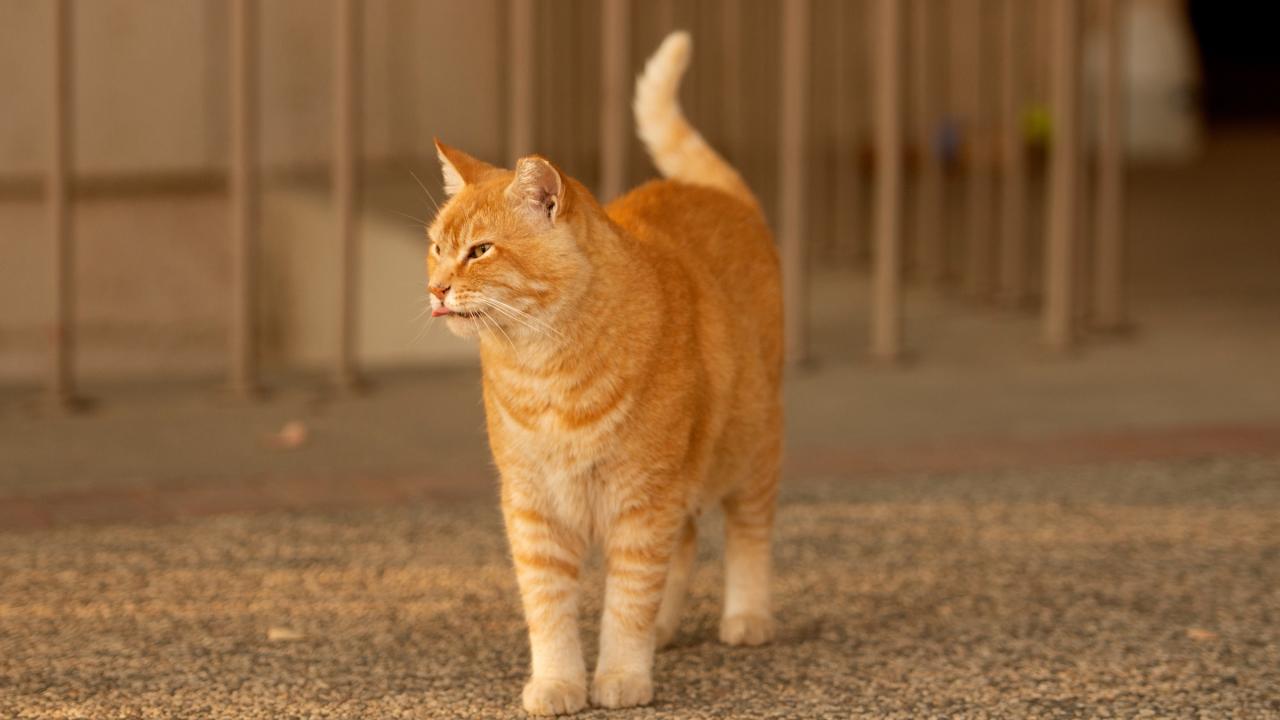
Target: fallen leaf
x,y
291,436
1201,634
283,634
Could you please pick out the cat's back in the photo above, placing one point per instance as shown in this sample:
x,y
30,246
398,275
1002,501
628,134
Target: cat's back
x,y
707,230
719,240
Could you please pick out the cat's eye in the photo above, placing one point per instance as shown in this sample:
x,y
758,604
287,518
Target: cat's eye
x,y
478,250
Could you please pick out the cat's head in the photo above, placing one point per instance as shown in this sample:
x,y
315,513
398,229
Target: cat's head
x,y
504,248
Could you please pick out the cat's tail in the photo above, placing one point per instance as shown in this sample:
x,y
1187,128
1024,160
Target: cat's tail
x,y
678,150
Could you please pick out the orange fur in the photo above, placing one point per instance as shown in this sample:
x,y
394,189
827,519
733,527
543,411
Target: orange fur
x,y
632,362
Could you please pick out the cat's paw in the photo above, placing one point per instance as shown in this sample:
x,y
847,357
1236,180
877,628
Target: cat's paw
x,y
747,629
553,696
622,689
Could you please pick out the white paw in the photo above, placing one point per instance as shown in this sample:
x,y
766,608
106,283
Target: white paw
x,y
551,696
746,629
622,689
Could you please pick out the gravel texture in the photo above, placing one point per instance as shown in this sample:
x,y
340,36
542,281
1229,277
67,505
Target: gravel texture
x,y
1130,590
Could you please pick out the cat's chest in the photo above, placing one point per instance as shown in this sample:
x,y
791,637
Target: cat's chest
x,y
554,442
558,469
564,419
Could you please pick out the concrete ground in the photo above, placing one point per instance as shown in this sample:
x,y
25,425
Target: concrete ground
x,y
1119,589
987,531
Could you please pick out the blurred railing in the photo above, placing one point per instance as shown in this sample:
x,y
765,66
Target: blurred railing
x,y
993,152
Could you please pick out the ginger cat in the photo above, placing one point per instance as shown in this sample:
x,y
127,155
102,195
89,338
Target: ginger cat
x,y
632,363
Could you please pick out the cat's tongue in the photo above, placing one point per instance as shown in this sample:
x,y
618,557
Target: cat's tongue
x,y
442,310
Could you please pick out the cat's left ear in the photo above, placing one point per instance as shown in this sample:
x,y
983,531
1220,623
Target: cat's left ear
x,y
459,169
537,189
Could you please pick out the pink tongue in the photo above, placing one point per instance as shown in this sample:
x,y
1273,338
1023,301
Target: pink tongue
x,y
441,311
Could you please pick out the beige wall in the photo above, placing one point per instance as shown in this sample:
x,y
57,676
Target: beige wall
x,y
151,88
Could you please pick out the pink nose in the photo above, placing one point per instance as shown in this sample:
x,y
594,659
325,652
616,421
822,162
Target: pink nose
x,y
438,291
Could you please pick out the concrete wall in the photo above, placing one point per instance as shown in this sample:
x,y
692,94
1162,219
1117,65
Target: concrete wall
x,y
151,102
151,90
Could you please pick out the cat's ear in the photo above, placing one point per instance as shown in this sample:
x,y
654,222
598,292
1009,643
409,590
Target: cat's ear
x,y
459,169
537,188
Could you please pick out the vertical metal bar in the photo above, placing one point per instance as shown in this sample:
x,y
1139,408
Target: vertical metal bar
x,y
1013,187
1108,275
849,210
1043,64
731,78
617,85
665,11
346,183
404,118
1062,230
926,93
792,170
243,201
62,381
978,200
520,72
886,279
576,30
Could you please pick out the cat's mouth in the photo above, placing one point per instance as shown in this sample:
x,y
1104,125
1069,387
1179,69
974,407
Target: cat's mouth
x,y
446,312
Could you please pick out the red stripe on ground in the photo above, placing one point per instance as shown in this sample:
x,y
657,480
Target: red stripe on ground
x,y
163,503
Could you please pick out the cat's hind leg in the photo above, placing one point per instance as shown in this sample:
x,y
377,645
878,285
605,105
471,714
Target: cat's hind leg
x,y
749,512
677,587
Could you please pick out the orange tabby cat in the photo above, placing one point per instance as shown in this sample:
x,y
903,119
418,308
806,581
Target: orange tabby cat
x,y
632,362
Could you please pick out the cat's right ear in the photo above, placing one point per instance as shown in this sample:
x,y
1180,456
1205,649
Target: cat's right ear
x,y
537,189
459,169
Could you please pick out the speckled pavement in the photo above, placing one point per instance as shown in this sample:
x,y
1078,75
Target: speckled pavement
x,y
1120,590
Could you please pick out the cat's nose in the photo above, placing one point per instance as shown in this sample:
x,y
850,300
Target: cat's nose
x,y
438,291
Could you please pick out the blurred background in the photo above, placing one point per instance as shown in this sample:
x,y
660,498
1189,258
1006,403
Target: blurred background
x,y
1018,235
221,198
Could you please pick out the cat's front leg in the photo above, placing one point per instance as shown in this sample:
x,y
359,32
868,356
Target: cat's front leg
x,y
547,558
638,551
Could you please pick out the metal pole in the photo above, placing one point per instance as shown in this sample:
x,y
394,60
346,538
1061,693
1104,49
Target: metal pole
x,y
978,250
346,182
849,213
731,69
614,105
665,11
1013,188
243,187
926,92
886,289
1108,290
1062,232
520,70
792,166
62,382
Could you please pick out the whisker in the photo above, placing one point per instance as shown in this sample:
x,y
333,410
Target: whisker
x,y
499,328
430,197
422,332
424,311
411,217
521,313
502,305
516,318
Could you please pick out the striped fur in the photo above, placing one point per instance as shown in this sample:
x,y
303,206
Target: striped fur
x,y
632,361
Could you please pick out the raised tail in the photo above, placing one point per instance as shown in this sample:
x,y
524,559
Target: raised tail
x,y
679,151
